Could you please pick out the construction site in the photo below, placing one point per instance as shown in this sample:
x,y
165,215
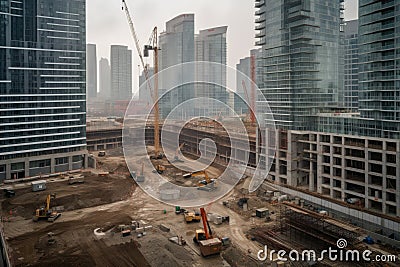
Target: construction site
x,y
100,216
106,215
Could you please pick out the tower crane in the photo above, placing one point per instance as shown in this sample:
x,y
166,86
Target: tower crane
x,y
251,108
151,46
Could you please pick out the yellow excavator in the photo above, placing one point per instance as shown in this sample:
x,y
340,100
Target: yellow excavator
x,y
45,212
207,184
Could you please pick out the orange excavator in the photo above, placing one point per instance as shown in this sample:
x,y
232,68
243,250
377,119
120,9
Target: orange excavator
x,y
209,245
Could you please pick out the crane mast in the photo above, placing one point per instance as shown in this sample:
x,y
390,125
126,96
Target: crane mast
x,y
153,45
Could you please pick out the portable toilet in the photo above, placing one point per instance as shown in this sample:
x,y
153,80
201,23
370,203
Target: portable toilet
x,y
38,185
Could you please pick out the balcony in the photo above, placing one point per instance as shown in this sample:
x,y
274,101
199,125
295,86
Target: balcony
x,y
261,33
260,12
260,42
259,3
261,19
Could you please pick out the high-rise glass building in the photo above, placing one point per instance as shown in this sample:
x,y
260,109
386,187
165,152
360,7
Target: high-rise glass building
x,y
301,50
91,71
177,46
379,97
211,47
42,87
351,65
121,72
244,67
105,78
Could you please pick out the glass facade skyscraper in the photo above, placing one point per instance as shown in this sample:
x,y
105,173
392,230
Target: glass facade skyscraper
x,y
91,71
301,49
42,87
379,98
211,47
351,65
121,72
176,45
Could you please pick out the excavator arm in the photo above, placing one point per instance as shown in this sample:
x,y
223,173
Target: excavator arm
x,y
202,173
206,226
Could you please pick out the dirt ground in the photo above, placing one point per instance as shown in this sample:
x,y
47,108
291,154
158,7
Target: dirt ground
x,y
106,203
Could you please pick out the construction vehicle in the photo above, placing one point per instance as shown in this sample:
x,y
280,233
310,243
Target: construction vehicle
x,y
192,216
207,184
101,154
76,179
45,212
9,193
152,46
209,245
179,210
159,169
207,180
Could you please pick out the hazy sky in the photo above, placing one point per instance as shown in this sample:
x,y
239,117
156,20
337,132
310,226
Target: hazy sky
x,y
107,24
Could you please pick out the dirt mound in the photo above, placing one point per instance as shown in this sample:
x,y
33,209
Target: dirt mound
x,y
93,192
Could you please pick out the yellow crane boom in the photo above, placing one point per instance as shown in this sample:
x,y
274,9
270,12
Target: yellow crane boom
x,y
153,45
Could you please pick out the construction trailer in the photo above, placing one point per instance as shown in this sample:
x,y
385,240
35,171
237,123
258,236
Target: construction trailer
x,y
38,185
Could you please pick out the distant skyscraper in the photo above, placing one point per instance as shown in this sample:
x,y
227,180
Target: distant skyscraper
x,y
211,47
42,87
301,46
379,91
105,78
244,67
177,46
351,65
91,71
121,72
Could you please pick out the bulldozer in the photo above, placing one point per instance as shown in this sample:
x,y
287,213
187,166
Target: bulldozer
x,y
45,212
192,216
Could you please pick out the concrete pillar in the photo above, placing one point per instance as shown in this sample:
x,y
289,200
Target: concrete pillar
x,y
277,161
319,164
384,174
257,145
8,170
289,160
85,161
366,177
343,184
331,163
311,178
70,163
53,165
26,167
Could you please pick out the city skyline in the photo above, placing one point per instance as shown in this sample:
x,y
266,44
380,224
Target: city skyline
x,y
111,28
